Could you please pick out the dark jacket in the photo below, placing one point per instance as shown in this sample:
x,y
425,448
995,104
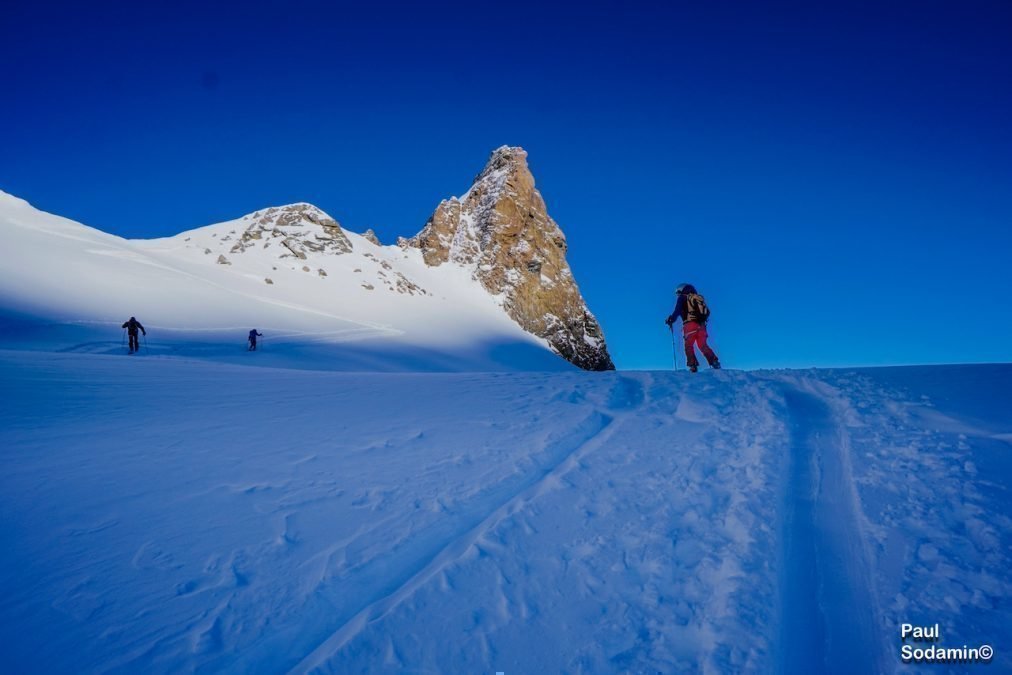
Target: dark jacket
x,y
679,312
682,309
132,325
253,334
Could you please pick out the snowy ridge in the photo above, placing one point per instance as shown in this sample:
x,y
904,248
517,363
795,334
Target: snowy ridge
x,y
637,522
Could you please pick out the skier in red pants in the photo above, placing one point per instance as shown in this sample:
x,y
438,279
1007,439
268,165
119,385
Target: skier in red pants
x,y
692,310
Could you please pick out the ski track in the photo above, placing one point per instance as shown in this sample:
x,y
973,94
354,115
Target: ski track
x,y
829,620
667,550
933,487
625,397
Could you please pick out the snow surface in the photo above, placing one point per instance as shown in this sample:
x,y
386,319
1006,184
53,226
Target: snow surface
x,y
175,515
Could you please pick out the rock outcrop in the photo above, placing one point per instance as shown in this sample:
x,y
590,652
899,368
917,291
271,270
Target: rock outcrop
x,y
297,228
501,230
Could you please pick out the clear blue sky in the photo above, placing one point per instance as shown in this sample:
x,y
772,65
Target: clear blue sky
x,y
835,178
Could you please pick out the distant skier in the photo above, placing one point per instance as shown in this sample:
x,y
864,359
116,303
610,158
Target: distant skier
x,y
253,335
131,327
692,310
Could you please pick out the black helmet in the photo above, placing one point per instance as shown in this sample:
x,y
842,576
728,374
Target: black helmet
x,y
685,289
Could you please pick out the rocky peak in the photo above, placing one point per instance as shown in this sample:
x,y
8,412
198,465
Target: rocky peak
x,y
501,229
296,228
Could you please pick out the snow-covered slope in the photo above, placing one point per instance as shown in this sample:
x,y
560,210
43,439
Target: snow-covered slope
x,y
165,515
506,300
291,272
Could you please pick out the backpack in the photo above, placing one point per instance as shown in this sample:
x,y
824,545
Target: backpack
x,y
695,308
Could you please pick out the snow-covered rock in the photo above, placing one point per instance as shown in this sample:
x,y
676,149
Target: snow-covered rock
x,y
299,228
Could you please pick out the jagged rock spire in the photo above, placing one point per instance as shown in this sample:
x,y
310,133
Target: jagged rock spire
x,y
501,229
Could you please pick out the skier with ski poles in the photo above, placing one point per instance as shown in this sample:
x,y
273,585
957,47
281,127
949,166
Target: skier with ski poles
x,y
691,308
131,327
253,335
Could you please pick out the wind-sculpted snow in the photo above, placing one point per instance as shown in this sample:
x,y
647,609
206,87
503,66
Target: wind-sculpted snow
x,y
164,515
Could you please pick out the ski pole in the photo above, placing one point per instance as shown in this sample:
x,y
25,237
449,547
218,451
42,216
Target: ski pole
x,y
674,349
122,342
146,343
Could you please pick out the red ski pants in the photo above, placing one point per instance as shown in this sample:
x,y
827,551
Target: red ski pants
x,y
695,336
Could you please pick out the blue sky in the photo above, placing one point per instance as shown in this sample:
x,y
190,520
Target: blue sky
x,y
836,179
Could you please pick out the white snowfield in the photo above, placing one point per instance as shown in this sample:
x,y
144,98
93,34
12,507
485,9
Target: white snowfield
x,y
165,515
